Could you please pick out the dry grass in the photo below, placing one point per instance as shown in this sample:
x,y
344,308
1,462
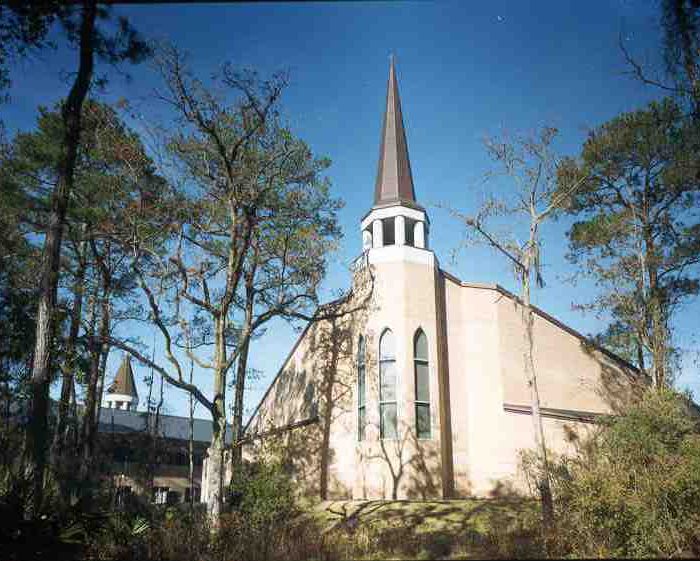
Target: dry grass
x,y
457,529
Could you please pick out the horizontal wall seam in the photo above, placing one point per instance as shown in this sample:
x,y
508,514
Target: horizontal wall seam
x,y
552,413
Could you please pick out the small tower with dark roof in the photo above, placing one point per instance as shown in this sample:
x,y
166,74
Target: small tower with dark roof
x,y
396,218
122,394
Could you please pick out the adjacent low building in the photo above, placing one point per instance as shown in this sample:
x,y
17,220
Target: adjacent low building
x,y
148,454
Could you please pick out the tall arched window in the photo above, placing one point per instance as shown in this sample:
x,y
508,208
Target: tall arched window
x,y
420,363
387,385
361,389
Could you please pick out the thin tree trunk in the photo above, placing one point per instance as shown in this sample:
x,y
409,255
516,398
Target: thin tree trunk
x,y
330,373
101,385
72,427
37,440
242,367
150,428
237,425
88,432
659,337
543,483
215,452
156,427
68,368
191,441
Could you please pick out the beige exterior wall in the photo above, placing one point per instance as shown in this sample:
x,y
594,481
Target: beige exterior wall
x,y
487,346
483,367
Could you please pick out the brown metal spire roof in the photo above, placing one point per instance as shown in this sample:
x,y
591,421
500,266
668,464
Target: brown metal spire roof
x,y
394,179
124,380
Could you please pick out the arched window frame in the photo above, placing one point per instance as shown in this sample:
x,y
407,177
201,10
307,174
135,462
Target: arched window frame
x,y
421,367
361,389
388,407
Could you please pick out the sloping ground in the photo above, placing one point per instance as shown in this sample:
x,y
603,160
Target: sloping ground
x,y
457,529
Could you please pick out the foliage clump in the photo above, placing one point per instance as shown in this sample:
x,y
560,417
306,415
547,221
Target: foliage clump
x,y
633,488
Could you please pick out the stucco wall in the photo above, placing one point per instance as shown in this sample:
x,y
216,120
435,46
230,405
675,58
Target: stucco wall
x,y
487,371
570,374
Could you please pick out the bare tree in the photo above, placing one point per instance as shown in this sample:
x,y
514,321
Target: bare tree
x,y
213,224
536,196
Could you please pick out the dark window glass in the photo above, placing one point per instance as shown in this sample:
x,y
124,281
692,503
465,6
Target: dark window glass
x,y
423,420
388,231
422,379
422,382
409,231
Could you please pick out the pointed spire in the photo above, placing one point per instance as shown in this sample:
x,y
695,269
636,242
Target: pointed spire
x,y
124,380
394,179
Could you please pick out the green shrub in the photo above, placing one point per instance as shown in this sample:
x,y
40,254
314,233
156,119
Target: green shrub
x,y
633,488
263,509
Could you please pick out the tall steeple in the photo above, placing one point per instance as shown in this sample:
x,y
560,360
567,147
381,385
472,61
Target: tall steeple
x,y
394,180
396,218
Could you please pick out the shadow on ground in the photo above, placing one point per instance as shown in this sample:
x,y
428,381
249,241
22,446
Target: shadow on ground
x,y
453,529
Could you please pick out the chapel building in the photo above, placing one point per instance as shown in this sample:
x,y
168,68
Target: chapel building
x,y
413,386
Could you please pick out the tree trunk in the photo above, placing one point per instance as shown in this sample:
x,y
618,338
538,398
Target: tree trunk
x,y
150,426
89,427
237,425
331,352
72,430
242,365
68,369
215,467
215,470
101,383
659,336
155,442
543,483
50,261
191,442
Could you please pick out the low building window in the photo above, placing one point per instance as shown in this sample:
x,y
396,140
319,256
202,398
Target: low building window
x,y
123,495
160,495
197,495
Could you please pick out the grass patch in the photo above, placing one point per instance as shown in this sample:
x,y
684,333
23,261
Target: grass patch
x,y
454,529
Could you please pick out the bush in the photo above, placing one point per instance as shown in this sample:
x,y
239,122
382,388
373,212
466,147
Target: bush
x,y
263,507
633,488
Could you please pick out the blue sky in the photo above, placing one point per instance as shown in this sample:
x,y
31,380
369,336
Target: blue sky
x,y
466,70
